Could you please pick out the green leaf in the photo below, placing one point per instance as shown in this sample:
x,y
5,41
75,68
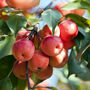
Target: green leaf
x,y
51,18
86,56
84,76
74,65
6,46
16,22
79,20
5,84
21,84
6,64
81,41
4,28
77,5
14,80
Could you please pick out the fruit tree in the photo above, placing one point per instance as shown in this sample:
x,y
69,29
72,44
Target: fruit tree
x,y
37,42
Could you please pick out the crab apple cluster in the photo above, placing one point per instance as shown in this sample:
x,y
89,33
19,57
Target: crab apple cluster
x,y
58,7
51,52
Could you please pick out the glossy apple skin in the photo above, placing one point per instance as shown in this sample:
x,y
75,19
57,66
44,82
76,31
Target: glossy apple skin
x,y
52,45
68,44
39,61
23,50
47,32
68,30
3,3
45,74
19,70
22,32
23,4
59,60
63,12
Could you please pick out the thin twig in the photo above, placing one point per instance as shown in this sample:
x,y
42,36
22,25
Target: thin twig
x,y
27,75
82,51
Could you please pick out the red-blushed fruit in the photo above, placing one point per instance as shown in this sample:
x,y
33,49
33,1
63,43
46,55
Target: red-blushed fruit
x,y
23,50
19,70
47,32
68,30
21,33
80,12
23,4
51,45
3,3
63,12
68,44
44,74
39,61
60,60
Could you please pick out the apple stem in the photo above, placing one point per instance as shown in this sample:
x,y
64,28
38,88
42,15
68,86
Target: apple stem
x,y
27,75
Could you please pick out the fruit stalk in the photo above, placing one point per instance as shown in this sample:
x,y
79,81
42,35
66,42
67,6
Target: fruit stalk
x,y
27,75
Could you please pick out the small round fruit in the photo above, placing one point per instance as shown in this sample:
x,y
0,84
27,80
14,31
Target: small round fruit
x,y
63,12
68,44
23,50
45,32
19,70
23,4
39,61
22,32
52,45
3,3
68,30
44,74
59,60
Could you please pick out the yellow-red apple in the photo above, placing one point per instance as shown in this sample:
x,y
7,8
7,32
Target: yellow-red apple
x,y
39,61
59,60
44,74
52,45
19,70
23,4
21,33
23,50
68,30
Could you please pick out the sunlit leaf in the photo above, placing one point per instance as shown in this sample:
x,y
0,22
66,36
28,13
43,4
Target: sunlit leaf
x,y
51,18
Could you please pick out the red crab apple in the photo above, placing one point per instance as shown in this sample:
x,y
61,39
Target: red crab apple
x,y
44,74
59,60
19,70
23,4
3,3
47,32
68,30
63,12
68,44
23,49
51,45
22,32
39,61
